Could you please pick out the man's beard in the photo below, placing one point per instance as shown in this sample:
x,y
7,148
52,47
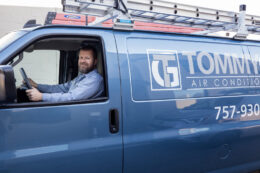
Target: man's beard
x,y
86,69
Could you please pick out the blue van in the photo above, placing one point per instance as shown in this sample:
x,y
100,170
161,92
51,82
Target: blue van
x,y
172,103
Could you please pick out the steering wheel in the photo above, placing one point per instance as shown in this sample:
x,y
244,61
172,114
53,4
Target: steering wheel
x,y
25,78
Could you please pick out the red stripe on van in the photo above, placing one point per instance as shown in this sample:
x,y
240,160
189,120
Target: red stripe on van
x,y
157,27
68,22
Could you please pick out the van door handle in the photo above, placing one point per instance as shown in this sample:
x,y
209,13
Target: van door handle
x,y
113,121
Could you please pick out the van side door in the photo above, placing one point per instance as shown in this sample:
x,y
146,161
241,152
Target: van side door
x,y
64,137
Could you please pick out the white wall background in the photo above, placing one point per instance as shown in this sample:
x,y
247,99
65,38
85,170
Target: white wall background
x,y
14,17
229,5
41,66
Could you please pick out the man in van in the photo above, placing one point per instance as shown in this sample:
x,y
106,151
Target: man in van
x,y
88,84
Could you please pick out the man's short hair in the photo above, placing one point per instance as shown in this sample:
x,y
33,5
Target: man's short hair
x,y
89,47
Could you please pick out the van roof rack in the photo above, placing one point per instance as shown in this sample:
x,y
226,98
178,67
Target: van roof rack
x,y
125,12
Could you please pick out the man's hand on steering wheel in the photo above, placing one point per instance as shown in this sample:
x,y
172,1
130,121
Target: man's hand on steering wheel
x,y
34,94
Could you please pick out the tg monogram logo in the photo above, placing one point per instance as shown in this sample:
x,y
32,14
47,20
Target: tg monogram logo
x,y
164,70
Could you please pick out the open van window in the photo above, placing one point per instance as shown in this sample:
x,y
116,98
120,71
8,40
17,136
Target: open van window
x,y
53,62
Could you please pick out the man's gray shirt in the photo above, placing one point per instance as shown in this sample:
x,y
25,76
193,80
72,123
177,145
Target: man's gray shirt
x,y
84,86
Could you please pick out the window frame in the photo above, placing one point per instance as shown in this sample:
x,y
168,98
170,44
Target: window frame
x,y
44,104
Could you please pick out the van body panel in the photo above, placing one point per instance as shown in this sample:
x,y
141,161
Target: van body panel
x,y
185,104
180,130
63,138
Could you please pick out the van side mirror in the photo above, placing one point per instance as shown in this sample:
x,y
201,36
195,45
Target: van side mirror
x,y
7,84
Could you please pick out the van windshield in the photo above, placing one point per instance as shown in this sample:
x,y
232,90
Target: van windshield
x,y
9,38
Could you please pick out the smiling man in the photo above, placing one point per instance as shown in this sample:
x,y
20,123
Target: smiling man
x,y
88,84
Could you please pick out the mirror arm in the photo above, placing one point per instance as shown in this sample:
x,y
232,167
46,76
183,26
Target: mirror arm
x,y
19,60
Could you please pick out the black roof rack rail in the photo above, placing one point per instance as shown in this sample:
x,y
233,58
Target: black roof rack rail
x,y
31,23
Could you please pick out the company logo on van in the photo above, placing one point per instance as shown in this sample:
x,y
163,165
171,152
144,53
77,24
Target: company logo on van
x,y
72,16
164,70
202,70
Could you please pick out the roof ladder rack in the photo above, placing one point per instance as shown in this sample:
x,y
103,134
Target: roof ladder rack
x,y
125,12
242,30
